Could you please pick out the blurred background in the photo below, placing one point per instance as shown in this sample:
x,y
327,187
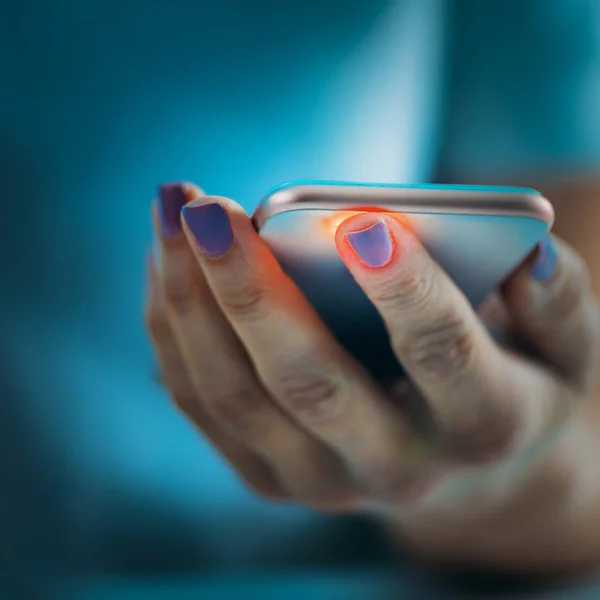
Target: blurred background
x,y
100,102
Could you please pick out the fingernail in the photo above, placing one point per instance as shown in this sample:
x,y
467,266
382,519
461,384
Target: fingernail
x,y
373,244
210,226
545,261
171,199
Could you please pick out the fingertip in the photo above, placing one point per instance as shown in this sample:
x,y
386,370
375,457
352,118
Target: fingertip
x,y
189,190
525,289
166,208
373,245
207,224
171,198
215,223
374,238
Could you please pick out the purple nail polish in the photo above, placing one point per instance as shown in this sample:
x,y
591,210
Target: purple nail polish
x,y
171,199
210,226
373,244
545,262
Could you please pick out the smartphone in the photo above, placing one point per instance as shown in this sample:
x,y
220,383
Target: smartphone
x,y
478,235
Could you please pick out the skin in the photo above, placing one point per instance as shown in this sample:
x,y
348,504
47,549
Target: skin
x,y
503,473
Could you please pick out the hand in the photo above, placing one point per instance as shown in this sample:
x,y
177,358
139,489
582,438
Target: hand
x,y
248,360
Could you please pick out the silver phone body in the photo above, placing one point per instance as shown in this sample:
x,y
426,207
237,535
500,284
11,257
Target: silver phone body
x,y
478,234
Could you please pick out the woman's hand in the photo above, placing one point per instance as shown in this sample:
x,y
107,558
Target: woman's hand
x,y
248,360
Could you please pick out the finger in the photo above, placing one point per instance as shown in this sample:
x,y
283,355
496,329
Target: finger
x,y
172,198
550,300
257,475
294,354
474,391
227,385
166,216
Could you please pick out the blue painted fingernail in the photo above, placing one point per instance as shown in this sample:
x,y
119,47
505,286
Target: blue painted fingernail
x,y
545,261
210,226
373,244
171,199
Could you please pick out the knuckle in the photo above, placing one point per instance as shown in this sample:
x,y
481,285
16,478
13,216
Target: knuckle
x,y
309,391
442,348
246,301
178,297
408,288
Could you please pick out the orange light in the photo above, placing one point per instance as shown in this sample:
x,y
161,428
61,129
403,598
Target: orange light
x,y
333,221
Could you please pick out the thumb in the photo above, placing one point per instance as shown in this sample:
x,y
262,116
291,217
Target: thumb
x,y
550,301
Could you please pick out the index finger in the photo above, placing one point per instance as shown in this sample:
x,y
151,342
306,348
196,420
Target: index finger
x,y
475,390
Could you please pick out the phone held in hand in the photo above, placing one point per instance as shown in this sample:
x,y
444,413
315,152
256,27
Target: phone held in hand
x,y
478,235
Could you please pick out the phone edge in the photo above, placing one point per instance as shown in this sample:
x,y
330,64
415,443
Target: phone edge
x,y
430,198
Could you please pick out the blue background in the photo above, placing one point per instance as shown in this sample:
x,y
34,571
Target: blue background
x,y
102,101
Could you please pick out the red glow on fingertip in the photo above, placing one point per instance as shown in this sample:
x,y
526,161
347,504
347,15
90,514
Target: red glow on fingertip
x,y
334,220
